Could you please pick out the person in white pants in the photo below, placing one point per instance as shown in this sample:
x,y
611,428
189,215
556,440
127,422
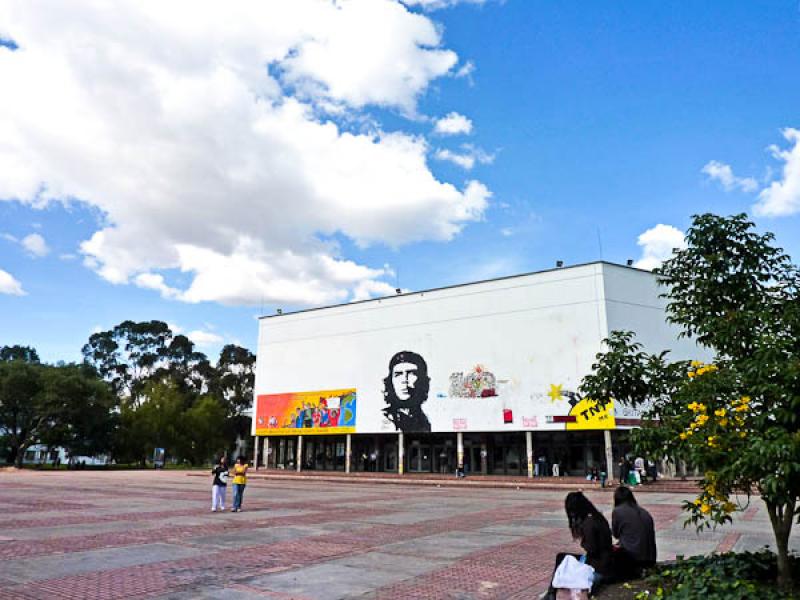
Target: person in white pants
x,y
219,487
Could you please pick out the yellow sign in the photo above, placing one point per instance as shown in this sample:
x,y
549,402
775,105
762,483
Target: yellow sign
x,y
590,414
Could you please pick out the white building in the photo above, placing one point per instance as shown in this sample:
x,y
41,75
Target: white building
x,y
484,375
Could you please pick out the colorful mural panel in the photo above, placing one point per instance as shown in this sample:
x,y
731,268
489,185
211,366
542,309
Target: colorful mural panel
x,y
307,413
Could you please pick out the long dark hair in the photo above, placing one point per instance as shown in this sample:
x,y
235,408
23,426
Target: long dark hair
x,y
624,495
578,507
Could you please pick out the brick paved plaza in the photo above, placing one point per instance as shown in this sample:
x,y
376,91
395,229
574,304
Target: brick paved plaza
x,y
92,535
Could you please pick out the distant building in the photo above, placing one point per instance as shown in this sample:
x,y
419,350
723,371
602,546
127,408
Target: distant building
x,y
41,454
483,375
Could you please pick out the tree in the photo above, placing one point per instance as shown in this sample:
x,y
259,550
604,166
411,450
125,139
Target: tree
x,y
738,418
61,405
205,428
132,355
234,385
156,423
88,419
23,353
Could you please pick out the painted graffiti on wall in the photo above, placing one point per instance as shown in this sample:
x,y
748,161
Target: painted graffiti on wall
x,y
405,389
309,413
478,383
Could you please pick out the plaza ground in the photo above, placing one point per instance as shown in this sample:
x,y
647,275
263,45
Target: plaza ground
x,y
145,534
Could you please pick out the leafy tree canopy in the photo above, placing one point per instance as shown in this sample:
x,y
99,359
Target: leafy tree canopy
x,y
738,418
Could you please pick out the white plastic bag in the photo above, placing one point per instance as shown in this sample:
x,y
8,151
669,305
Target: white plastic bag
x,y
573,574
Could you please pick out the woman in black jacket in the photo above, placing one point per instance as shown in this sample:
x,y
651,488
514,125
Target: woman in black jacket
x,y
590,528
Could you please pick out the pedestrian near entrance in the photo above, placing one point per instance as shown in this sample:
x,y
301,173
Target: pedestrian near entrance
x,y
239,483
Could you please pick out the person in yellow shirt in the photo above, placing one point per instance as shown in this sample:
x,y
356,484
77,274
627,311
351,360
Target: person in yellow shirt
x,y
239,483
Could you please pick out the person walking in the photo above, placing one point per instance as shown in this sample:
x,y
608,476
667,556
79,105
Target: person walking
x,y
219,485
239,483
634,528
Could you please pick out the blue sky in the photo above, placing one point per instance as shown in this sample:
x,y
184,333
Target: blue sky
x,y
203,168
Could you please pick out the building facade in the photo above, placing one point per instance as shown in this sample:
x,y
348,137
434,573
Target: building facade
x,y
481,376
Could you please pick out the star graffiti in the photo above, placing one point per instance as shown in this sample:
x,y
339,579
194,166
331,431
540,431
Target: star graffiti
x,y
555,392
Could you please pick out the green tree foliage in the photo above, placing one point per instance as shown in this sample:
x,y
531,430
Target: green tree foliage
x,y
233,385
163,384
132,355
65,405
737,419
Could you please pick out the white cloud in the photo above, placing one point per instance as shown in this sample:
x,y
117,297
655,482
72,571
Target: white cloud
x,y
35,245
453,124
657,245
371,289
205,338
465,70
782,197
9,285
438,4
201,137
723,173
467,158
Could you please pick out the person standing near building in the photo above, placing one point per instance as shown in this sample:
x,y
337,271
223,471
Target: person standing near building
x,y
239,483
639,466
220,485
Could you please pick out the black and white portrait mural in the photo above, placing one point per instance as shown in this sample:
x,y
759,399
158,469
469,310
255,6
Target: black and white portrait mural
x,y
405,389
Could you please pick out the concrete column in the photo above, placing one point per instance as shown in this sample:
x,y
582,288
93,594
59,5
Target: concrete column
x,y
609,455
255,454
529,448
484,458
298,455
266,452
460,450
347,453
401,453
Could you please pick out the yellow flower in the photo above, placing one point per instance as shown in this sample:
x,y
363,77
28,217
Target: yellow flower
x,y
729,507
697,363
705,509
682,435
692,406
711,441
720,412
745,400
701,419
698,502
701,407
741,408
742,434
723,422
690,374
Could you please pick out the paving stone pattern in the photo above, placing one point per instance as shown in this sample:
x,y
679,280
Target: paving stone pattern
x,y
103,536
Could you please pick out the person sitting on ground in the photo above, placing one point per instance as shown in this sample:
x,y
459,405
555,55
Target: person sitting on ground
x,y
634,528
590,528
